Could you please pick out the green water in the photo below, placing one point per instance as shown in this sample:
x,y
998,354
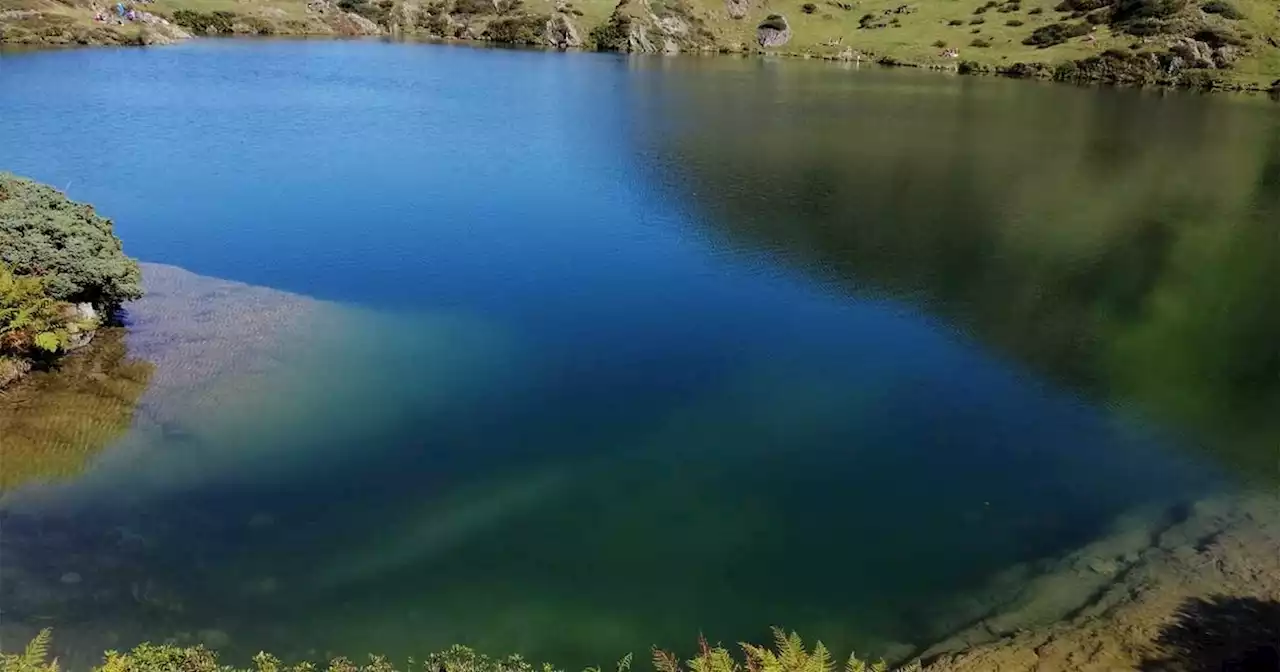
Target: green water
x,y
572,355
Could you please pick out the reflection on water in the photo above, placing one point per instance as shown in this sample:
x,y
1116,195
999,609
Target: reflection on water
x,y
1120,243
55,422
693,345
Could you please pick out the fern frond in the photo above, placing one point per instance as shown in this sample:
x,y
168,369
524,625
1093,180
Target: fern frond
x,y
37,651
624,665
664,661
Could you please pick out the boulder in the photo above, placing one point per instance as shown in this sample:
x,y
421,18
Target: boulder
x,y
774,31
561,32
737,8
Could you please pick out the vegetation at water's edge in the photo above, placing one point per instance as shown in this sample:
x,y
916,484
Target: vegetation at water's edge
x,y
788,654
1187,43
54,254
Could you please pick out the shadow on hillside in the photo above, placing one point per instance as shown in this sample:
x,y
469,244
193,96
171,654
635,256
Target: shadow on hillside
x,y
1220,634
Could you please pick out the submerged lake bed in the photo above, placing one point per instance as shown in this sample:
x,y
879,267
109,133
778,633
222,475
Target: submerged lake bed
x,y
575,354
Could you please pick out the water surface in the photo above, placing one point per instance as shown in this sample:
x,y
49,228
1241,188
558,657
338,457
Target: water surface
x,y
573,354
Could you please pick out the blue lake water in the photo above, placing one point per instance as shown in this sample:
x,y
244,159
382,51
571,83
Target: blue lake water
x,y
575,354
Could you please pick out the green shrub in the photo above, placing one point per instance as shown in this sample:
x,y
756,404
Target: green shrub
x,y
528,29
205,23
773,22
1055,33
1222,8
1219,37
940,44
977,21
30,321
67,244
1130,10
377,11
981,43
788,654
1013,23
473,7
1035,11
1145,27
808,8
612,35
955,22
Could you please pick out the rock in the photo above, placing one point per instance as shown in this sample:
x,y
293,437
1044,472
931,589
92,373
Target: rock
x,y
773,31
737,8
1225,56
669,46
1195,53
848,55
561,32
84,320
70,578
1103,566
12,369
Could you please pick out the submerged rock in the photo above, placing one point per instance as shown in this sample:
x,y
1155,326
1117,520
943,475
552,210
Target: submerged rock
x,y
214,639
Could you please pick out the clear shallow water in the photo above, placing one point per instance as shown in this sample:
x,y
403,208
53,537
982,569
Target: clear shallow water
x,y
601,353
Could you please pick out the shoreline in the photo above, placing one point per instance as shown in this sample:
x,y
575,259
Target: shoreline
x,y
1034,71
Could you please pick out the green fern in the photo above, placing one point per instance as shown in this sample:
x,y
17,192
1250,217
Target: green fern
x,y
35,658
29,318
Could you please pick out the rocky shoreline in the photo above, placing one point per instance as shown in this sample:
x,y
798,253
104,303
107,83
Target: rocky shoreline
x,y
1136,602
633,28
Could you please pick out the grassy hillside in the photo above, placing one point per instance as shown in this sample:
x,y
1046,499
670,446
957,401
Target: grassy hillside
x,y
1175,42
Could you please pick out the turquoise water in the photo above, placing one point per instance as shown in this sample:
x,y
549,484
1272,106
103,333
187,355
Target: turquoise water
x,y
573,354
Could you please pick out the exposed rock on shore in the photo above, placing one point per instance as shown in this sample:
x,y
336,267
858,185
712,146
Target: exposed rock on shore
x,y
1220,562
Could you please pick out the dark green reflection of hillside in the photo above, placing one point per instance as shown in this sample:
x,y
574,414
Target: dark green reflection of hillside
x,y
54,422
1123,244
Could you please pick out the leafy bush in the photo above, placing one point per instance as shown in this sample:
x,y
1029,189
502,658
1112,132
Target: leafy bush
x,y
1130,10
1222,8
955,22
981,43
612,35
1219,37
1145,27
1098,18
1036,11
1013,23
517,30
1055,33
378,11
67,244
205,23
940,44
773,22
789,654
809,8
473,7
30,321
977,21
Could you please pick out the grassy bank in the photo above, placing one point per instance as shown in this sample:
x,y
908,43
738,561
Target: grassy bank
x,y
1188,43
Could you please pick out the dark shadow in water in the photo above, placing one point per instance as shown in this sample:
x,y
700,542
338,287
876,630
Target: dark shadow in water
x,y
55,421
1080,235
1220,634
